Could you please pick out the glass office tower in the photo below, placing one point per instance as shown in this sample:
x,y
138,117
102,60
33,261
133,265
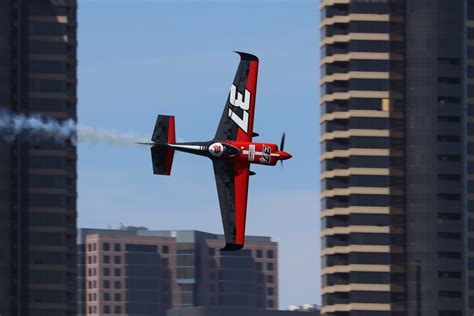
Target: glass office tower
x,y
397,157
38,178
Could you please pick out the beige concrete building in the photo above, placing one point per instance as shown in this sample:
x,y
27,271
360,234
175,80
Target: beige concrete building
x,y
134,271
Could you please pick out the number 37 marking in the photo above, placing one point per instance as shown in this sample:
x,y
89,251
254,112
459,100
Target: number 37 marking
x,y
239,101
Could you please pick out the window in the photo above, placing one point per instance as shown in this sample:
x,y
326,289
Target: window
x,y
259,266
106,297
117,247
106,271
106,259
270,278
117,297
117,285
106,246
117,309
117,259
455,236
89,246
270,303
270,291
270,266
117,272
165,249
449,275
106,284
449,255
106,309
259,253
269,253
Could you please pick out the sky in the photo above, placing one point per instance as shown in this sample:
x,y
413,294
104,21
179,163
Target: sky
x,y
138,59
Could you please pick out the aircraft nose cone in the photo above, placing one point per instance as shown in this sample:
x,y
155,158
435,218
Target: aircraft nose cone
x,y
284,155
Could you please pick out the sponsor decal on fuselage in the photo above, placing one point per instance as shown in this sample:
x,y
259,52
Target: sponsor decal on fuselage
x,y
266,154
237,100
251,153
216,149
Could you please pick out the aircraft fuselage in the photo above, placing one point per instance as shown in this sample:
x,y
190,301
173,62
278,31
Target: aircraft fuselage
x,y
256,153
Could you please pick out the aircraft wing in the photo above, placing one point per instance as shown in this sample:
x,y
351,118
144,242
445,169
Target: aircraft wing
x,y
232,180
236,123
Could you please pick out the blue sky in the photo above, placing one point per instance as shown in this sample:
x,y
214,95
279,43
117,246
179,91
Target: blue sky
x,y
141,58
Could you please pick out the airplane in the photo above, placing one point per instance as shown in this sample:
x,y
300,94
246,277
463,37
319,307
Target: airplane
x,y
232,150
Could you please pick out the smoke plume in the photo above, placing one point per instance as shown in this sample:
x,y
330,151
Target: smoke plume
x,y
35,128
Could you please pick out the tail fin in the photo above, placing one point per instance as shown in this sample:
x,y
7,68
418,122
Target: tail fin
x,y
161,154
164,130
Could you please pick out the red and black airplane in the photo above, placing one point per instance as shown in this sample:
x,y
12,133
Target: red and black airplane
x,y
231,150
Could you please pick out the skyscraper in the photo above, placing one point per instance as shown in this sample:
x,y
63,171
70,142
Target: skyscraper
x,y
38,179
135,271
397,164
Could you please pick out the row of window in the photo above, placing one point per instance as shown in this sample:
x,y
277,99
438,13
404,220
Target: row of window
x,y
356,6
355,220
106,246
105,272
355,162
258,253
106,284
107,309
52,200
92,297
340,240
355,27
105,259
354,123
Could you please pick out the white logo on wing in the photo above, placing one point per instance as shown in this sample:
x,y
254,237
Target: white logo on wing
x,y
239,101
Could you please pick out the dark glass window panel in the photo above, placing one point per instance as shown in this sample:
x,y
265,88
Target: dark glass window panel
x,y
140,248
45,66
47,28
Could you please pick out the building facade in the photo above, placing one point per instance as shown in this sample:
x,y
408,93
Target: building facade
x,y
38,179
397,194
134,271
226,311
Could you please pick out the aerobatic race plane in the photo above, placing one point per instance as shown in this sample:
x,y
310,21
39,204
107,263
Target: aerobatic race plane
x,y
231,150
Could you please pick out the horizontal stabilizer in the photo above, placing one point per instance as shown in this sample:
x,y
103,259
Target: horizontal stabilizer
x,y
162,159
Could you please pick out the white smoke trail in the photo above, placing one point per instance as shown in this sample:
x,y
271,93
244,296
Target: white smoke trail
x,y
35,128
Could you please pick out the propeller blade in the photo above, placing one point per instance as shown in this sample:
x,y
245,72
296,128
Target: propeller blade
x,y
282,143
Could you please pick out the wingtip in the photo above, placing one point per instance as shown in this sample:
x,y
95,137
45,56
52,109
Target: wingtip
x,y
246,56
232,247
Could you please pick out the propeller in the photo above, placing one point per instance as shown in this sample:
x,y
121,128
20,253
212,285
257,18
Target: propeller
x,y
282,142
282,146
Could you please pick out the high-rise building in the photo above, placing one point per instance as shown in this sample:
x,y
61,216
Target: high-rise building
x,y
135,271
397,157
38,179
